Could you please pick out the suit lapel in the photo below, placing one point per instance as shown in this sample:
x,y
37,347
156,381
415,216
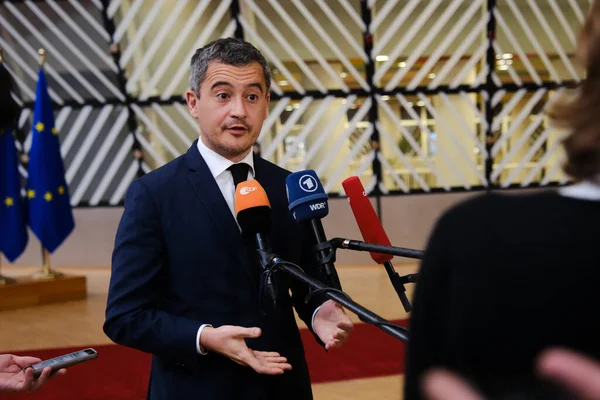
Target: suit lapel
x,y
210,196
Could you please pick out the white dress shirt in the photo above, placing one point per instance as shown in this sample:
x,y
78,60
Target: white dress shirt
x,y
217,164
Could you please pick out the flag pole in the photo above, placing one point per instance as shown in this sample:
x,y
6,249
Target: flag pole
x,y
42,54
46,272
5,280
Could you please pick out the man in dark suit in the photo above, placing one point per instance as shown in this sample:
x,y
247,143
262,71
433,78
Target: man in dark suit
x,y
185,282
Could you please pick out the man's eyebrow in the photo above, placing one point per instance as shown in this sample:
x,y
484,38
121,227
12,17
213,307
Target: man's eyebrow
x,y
257,85
223,83
220,83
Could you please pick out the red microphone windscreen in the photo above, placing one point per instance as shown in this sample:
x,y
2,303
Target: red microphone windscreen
x,y
368,223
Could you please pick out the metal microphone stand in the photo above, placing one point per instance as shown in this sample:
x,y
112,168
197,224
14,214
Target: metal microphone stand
x,y
397,280
326,259
276,264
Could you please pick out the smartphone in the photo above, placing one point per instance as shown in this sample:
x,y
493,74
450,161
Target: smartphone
x,y
63,361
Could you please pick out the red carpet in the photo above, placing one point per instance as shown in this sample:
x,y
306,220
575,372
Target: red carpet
x,y
368,352
121,373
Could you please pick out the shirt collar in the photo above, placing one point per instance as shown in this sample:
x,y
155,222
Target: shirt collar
x,y
587,190
217,164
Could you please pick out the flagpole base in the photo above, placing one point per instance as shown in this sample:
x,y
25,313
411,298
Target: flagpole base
x,y
47,274
5,280
30,292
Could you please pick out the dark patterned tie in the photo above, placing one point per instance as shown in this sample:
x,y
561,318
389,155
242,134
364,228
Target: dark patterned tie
x,y
239,172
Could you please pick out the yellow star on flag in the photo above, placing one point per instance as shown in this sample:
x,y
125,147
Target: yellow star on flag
x,y
61,190
54,131
9,201
48,196
31,193
39,127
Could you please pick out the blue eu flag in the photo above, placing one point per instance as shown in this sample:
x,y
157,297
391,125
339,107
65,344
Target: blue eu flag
x,y
13,223
50,214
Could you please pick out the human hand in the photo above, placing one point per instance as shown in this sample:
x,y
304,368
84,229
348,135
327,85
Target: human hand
x,y
14,379
576,373
332,325
229,341
440,384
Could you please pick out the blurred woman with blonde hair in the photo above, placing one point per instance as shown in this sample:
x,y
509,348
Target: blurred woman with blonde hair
x,y
507,276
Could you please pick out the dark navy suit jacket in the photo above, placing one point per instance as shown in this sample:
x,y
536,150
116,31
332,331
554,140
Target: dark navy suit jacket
x,y
180,261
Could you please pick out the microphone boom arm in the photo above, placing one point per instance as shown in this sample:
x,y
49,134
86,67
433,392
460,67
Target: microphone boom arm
x,y
397,280
377,248
365,315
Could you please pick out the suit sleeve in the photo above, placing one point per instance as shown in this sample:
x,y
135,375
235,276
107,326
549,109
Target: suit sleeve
x,y
133,315
309,264
426,336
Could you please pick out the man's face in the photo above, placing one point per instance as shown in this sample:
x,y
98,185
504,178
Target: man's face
x,y
231,109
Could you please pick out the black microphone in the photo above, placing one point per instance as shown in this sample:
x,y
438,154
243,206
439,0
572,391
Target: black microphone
x,y
308,204
253,214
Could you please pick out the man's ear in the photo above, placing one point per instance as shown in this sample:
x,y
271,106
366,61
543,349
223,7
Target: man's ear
x,y
191,99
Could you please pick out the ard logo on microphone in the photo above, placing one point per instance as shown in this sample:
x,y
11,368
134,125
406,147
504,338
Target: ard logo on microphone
x,y
247,189
308,183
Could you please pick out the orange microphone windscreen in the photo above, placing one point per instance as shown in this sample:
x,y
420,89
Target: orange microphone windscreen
x,y
250,194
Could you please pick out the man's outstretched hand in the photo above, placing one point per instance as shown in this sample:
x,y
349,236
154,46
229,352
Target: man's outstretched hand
x,y
230,341
332,325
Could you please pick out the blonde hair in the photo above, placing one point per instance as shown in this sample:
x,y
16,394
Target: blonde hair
x,y
581,115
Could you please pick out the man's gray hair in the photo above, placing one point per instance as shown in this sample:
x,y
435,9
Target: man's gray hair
x,y
229,51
